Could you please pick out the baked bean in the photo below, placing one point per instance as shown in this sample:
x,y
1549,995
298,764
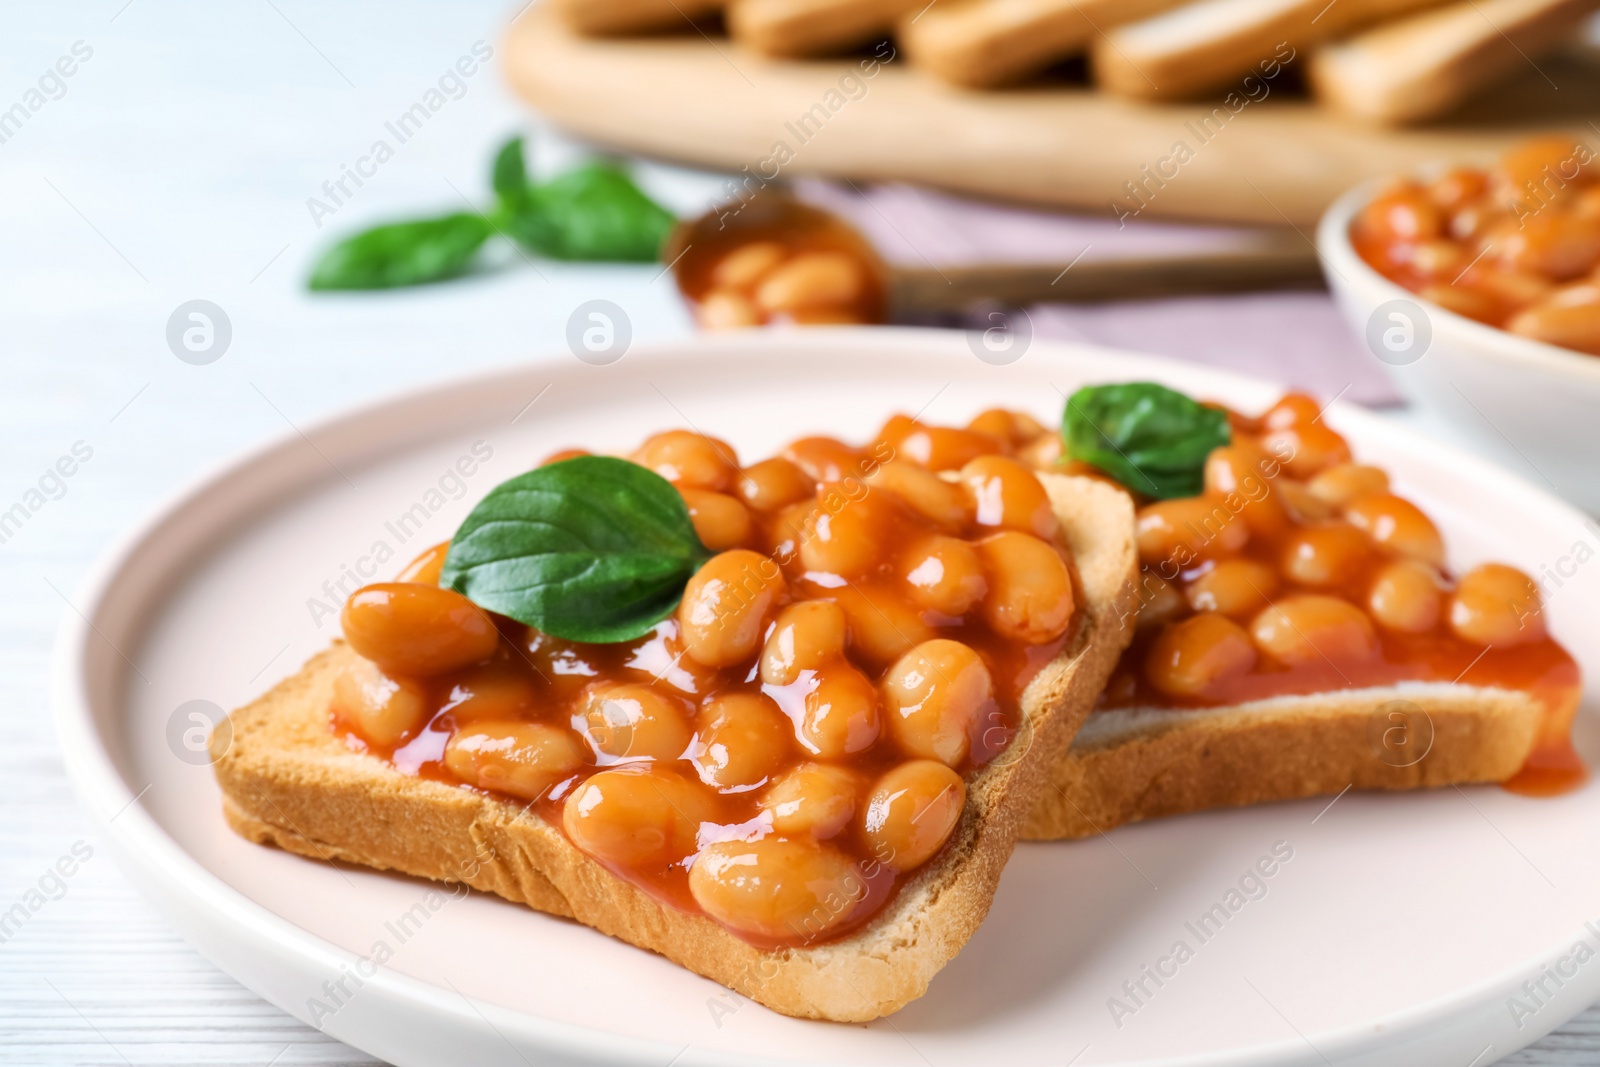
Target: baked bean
x,y
748,264
1497,231
811,280
1011,428
1398,525
1028,428
994,422
1510,287
793,526
689,460
742,740
564,666
841,713
1030,597
1235,587
664,658
849,533
1292,410
413,629
1307,449
726,606
1556,246
639,816
1312,629
911,812
934,697
1189,657
814,798
1301,503
772,484
523,759
633,722
1160,601
1473,222
943,574
1442,259
1564,321
1006,495
424,570
723,309
1122,690
1471,303
1187,530
938,448
499,689
923,492
1458,187
1044,453
384,710
777,888
1407,597
1497,605
882,624
1579,294
1404,212
806,636
826,459
1538,159
1246,469
1333,555
1343,483
720,521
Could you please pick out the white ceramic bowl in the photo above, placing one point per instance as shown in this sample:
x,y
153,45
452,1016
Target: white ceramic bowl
x,y
1535,405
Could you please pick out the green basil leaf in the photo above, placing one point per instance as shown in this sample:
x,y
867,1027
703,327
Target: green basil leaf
x,y
1152,439
510,174
593,212
590,549
402,253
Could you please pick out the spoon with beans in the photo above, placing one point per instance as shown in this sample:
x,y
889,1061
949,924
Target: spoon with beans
x,y
775,260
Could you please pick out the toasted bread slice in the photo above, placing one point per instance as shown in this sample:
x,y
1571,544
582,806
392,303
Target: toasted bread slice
x,y
987,43
799,28
1210,45
287,780
604,18
1422,67
1142,763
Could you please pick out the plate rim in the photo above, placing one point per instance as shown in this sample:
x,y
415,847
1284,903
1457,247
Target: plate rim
x,y
171,877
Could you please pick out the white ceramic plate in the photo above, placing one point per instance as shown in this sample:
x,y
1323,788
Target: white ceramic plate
x,y
1394,935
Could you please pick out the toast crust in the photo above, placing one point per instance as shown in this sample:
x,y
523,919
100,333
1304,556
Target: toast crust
x,y
1142,763
288,781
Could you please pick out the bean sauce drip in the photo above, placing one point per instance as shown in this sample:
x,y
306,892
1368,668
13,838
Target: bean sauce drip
x,y
799,737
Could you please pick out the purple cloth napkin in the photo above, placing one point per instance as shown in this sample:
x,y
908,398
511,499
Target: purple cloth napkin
x,y
1296,338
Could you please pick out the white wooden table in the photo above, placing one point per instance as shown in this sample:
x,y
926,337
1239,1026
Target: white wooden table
x,y
173,164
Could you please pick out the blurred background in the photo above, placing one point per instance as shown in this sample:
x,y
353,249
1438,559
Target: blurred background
x,y
188,197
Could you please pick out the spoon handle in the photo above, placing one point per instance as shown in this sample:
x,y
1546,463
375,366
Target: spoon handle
x,y
1275,264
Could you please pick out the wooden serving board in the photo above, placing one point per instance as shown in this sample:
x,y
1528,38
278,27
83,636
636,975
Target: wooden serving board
x,y
701,100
